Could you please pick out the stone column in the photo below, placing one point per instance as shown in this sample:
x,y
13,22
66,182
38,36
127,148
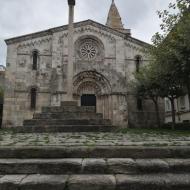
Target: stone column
x,y
71,4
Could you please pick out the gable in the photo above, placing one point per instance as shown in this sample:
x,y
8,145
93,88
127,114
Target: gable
x,y
77,25
64,28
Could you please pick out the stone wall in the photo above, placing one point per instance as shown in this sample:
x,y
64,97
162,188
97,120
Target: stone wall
x,y
146,117
20,78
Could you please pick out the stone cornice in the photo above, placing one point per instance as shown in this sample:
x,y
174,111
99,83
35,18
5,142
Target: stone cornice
x,y
138,42
29,37
35,41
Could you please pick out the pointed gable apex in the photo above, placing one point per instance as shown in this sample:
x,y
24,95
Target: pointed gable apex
x,y
114,19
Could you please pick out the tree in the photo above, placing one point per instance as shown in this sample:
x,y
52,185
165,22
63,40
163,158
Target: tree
x,y
165,66
1,104
1,94
171,51
173,45
169,72
171,89
183,51
148,87
158,81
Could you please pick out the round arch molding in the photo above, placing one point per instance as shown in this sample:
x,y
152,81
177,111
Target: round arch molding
x,y
91,82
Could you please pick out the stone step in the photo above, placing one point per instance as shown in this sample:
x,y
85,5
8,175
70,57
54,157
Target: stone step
x,y
94,166
68,116
68,109
96,182
63,128
50,122
134,152
153,182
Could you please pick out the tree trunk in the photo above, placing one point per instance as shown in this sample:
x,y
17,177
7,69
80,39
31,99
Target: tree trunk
x,y
173,112
188,92
157,112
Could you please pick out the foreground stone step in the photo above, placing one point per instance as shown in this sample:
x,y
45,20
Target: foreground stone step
x,y
96,182
153,182
33,182
63,128
135,152
93,166
69,109
68,116
49,122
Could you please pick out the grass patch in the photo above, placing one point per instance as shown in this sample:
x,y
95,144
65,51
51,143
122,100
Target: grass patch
x,y
46,138
156,131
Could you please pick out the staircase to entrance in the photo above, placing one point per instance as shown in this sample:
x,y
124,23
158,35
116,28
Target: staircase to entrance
x,y
89,167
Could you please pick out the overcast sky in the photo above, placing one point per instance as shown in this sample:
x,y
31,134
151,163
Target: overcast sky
x,y
18,17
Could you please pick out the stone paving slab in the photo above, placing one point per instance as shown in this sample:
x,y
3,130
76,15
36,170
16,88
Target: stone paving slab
x,y
44,182
95,165
154,165
122,165
11,182
92,182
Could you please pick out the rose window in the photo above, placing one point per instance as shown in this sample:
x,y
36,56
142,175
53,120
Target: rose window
x,y
88,50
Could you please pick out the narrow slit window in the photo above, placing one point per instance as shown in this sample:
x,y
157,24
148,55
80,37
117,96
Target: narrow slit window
x,y
139,104
138,62
35,60
33,94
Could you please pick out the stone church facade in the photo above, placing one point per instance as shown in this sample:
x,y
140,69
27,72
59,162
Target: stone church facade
x,y
105,60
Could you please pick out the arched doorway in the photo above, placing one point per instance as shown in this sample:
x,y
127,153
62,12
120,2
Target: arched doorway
x,y
93,89
88,100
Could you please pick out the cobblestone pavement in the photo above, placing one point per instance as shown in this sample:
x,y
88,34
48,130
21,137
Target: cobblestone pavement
x,y
93,139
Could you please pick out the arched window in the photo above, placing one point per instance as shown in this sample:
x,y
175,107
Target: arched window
x,y
138,60
33,93
139,104
34,60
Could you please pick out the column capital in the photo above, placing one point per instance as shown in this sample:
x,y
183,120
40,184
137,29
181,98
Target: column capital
x,y
71,2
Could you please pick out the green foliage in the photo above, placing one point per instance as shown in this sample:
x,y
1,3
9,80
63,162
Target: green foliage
x,y
147,85
170,18
172,47
169,73
171,51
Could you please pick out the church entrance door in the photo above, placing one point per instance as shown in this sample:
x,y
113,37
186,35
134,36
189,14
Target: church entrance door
x,y
88,100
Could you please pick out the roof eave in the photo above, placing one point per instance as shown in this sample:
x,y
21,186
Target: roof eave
x,y
140,42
